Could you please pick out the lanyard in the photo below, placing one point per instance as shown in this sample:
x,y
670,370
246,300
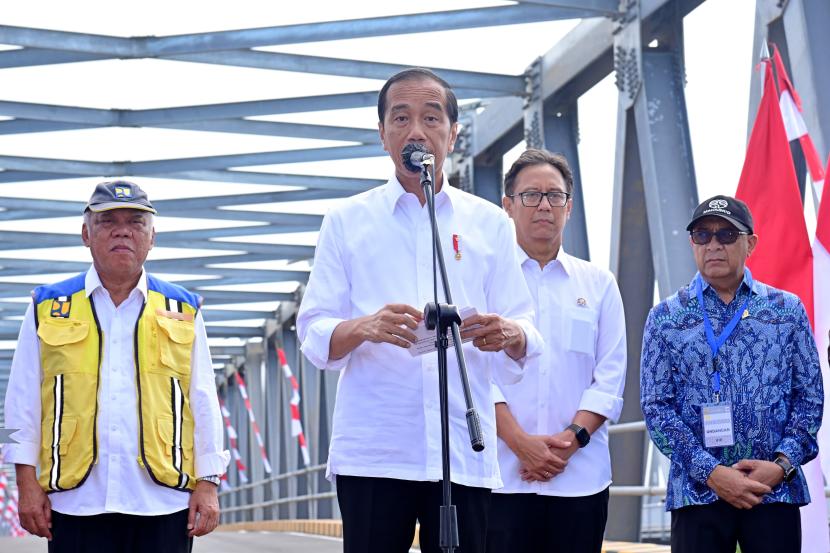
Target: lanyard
x,y
716,342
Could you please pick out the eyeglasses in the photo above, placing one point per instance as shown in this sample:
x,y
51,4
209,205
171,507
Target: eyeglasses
x,y
556,198
725,236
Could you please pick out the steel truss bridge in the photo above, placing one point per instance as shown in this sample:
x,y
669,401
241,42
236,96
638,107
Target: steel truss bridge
x,y
654,190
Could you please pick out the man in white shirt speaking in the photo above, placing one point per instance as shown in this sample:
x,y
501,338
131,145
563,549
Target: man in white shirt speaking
x,y
113,393
553,446
371,278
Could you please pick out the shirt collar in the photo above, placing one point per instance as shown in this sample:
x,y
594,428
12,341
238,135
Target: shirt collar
x,y
92,282
564,259
755,287
394,191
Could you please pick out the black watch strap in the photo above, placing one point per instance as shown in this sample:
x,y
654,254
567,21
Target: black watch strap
x,y
582,435
787,467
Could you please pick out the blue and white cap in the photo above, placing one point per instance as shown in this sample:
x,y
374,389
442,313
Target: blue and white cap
x,y
119,194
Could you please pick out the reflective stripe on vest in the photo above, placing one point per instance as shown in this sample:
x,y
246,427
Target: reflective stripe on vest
x,y
70,343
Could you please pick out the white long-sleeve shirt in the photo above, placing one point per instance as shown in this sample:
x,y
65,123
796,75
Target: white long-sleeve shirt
x,y
579,313
373,250
116,483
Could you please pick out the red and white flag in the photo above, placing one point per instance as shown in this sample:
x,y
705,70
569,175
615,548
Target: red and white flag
x,y
296,422
769,186
793,116
821,272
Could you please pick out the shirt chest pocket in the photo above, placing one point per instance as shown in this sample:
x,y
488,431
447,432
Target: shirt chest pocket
x,y
175,344
580,330
64,348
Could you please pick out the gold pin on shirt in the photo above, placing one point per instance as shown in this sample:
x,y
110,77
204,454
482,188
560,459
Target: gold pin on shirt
x,y
745,314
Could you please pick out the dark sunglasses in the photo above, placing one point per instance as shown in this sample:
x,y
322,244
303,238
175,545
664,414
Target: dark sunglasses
x,y
724,236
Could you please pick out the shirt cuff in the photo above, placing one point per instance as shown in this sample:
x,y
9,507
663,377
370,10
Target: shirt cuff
x,y
606,405
703,463
534,344
495,391
21,453
210,464
317,343
513,369
793,451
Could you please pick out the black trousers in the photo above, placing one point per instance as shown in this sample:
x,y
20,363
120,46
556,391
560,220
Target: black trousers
x,y
532,523
379,514
118,533
719,527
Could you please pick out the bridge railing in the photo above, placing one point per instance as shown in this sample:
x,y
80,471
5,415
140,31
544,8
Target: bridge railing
x,y
285,494
288,494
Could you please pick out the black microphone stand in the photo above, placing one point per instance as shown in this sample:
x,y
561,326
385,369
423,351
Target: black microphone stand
x,y
443,318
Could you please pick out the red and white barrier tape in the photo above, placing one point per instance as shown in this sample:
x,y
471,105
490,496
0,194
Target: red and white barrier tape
x,y
244,392
240,466
296,423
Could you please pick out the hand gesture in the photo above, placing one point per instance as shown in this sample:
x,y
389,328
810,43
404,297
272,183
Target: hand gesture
x,y
495,333
765,472
539,459
33,506
393,324
736,488
203,515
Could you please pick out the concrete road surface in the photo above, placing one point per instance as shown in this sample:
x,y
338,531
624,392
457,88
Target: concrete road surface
x,y
218,542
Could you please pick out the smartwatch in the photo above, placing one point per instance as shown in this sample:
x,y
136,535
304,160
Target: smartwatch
x,y
787,467
582,435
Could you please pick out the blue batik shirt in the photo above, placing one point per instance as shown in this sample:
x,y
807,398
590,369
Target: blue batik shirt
x,y
769,371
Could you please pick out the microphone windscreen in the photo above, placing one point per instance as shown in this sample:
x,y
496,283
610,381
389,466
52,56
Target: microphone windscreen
x,y
406,155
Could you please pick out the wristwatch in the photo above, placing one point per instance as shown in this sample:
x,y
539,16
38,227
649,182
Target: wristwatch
x,y
582,435
787,467
213,479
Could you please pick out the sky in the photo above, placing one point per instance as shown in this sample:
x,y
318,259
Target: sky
x,y
719,61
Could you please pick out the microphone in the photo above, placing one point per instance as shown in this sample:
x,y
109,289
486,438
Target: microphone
x,y
415,156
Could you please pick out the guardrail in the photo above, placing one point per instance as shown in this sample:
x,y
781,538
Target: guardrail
x,y
236,492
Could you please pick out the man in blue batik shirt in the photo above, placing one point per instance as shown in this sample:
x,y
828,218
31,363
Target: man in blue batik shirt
x,y
731,392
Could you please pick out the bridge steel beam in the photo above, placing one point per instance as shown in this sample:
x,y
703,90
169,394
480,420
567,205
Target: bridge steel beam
x,y
655,192
154,47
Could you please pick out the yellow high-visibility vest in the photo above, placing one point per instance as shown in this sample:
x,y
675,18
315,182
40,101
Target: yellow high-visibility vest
x,y
71,345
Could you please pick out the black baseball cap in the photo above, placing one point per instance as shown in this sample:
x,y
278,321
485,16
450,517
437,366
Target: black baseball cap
x,y
726,207
119,194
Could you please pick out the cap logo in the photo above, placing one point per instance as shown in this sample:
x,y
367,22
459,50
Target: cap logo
x,y
123,192
718,204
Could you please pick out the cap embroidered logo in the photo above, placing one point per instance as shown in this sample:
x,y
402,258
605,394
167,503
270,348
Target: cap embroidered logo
x,y
718,204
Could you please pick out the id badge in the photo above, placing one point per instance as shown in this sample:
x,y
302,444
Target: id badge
x,y
717,425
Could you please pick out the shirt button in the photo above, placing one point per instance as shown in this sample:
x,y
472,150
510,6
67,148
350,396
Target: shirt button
x,y
113,428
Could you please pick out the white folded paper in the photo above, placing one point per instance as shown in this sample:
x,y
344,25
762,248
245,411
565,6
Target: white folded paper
x,y
426,338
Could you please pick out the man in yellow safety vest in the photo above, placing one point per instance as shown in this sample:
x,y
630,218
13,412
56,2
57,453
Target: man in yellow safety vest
x,y
112,388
